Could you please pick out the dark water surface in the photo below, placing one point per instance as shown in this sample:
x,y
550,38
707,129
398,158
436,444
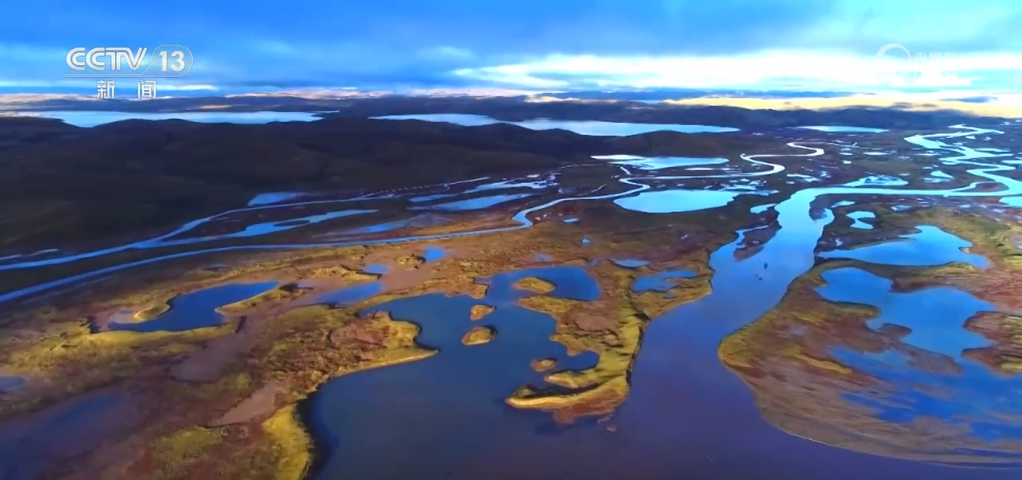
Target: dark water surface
x,y
687,416
422,419
197,309
10,384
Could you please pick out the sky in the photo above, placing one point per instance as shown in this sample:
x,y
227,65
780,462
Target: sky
x,y
544,45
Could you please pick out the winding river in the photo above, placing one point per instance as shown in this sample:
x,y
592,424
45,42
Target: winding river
x,y
687,415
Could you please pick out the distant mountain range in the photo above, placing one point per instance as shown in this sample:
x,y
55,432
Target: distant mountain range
x,y
850,111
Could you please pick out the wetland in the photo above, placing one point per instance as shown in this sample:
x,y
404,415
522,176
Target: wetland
x,y
790,303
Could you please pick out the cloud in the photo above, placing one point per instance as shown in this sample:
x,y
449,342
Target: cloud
x,y
446,53
529,43
774,69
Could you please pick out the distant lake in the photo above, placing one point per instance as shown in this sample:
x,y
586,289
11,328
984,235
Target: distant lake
x,y
844,129
583,127
92,119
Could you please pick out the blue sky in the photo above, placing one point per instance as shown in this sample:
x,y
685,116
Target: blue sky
x,y
525,44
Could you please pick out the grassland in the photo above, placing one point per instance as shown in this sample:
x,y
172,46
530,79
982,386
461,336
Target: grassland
x,y
221,400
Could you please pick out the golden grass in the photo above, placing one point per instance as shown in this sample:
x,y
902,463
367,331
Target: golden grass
x,y
612,327
151,312
599,400
289,444
294,347
543,364
479,336
275,296
1011,364
615,361
70,359
480,311
800,307
796,352
176,453
554,306
534,284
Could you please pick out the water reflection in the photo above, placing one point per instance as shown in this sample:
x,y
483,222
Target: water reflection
x,y
569,282
685,410
930,246
935,316
676,201
272,197
10,384
659,163
857,218
844,129
583,127
197,309
433,253
437,410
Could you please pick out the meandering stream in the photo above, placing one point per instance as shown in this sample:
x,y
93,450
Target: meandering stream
x,y
686,414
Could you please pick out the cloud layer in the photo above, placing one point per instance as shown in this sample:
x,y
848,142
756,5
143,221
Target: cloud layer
x,y
542,44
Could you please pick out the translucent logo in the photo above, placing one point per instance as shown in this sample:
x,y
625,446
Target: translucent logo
x,y
900,67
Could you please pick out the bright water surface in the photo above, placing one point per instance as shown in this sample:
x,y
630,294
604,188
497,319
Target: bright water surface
x,y
583,127
843,129
686,412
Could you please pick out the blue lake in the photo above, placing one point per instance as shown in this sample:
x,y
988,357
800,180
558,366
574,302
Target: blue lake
x,y
434,410
659,163
857,218
581,127
272,197
10,384
676,201
58,432
974,399
433,253
197,309
936,316
569,282
1012,201
931,246
844,129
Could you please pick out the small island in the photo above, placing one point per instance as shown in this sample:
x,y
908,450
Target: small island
x,y
543,364
479,336
480,311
